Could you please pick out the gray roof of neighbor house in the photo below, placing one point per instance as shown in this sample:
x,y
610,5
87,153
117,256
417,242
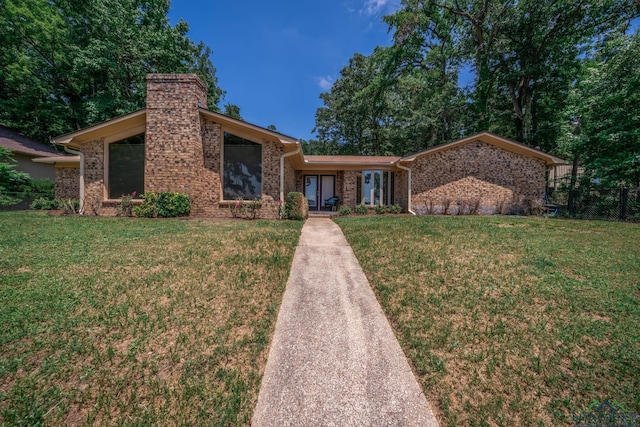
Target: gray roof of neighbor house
x,y
19,143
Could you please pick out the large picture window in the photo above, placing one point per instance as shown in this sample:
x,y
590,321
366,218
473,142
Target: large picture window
x,y
376,187
242,175
126,167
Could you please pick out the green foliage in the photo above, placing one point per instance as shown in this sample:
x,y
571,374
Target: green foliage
x,y
69,206
163,205
16,185
43,203
604,111
520,59
344,210
296,207
394,209
379,209
361,209
69,64
247,209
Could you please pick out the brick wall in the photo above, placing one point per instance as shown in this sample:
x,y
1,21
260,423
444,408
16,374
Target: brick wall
x,y
401,191
348,190
174,154
94,178
290,177
67,182
476,170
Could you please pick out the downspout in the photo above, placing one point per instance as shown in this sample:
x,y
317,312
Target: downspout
x,y
408,187
77,152
285,155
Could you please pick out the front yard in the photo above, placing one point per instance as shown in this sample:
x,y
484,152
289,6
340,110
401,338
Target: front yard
x,y
129,321
506,321
509,321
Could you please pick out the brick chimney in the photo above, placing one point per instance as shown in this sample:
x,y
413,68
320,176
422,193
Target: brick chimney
x,y
173,141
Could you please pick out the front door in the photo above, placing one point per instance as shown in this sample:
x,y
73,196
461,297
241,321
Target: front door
x,y
318,189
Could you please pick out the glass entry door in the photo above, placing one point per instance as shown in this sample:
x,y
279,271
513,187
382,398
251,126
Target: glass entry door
x,y
311,191
318,189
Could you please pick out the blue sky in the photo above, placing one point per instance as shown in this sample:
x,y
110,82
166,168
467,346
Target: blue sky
x,y
274,58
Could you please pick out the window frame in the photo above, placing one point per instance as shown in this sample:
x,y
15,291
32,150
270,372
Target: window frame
x,y
249,137
117,138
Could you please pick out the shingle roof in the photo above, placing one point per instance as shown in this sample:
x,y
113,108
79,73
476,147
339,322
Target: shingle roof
x,y
19,143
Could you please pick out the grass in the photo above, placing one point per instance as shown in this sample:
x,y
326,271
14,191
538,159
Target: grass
x,y
509,321
124,321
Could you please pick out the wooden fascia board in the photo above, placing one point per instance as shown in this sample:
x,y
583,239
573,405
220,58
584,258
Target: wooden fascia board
x,y
245,127
127,125
495,140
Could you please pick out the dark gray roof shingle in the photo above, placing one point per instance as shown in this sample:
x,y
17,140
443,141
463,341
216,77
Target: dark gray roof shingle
x,y
19,143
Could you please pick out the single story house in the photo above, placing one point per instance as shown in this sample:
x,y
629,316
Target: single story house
x,y
177,144
24,150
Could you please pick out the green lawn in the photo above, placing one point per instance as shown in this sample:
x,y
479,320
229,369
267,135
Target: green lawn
x,y
509,321
129,321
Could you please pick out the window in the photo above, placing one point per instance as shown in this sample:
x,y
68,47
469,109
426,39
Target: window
x,y
242,174
376,187
126,167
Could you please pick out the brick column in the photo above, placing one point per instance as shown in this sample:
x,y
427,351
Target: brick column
x,y
174,157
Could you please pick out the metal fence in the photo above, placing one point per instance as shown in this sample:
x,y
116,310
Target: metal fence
x,y
612,204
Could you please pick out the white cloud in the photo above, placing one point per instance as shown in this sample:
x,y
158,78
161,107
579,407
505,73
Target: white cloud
x,y
325,82
375,7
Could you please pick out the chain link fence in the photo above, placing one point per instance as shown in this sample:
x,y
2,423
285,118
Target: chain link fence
x,y
611,204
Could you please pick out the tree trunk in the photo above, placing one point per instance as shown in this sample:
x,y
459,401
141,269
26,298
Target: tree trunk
x,y
572,186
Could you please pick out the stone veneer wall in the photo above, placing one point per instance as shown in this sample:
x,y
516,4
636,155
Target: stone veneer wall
x,y
339,186
349,183
476,171
401,191
94,184
174,158
67,182
299,182
289,177
271,152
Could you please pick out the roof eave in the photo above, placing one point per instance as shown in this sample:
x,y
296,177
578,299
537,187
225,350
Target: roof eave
x,y
494,140
122,123
264,132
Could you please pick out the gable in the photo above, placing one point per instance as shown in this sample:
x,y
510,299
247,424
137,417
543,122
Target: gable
x,y
493,140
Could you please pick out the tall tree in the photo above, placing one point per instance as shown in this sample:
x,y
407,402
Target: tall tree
x,y
67,64
354,111
519,51
602,119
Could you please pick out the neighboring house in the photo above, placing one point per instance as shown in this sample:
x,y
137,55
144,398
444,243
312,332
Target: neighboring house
x,y
24,150
175,144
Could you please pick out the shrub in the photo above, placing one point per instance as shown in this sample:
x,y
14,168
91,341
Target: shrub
x,y
474,206
163,205
361,209
430,207
45,204
462,207
296,206
247,209
394,209
125,206
379,209
70,206
344,210
446,205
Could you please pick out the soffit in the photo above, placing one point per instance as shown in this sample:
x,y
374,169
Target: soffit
x,y
117,128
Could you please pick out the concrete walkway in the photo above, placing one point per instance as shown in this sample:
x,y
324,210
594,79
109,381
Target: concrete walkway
x,y
334,360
